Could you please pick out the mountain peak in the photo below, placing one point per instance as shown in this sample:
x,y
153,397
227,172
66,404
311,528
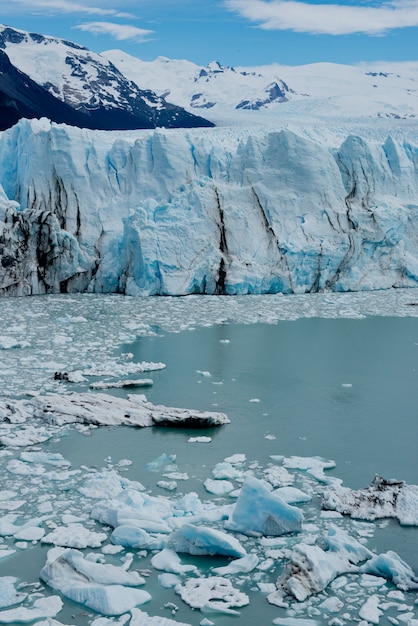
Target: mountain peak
x,y
90,84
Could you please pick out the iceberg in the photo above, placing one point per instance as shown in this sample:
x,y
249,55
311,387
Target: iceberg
x,y
105,588
105,410
382,498
209,211
201,540
260,512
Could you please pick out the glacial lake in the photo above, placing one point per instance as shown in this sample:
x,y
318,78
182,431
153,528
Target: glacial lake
x,y
336,380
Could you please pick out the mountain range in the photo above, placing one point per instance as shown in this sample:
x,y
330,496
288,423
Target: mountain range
x,y
66,82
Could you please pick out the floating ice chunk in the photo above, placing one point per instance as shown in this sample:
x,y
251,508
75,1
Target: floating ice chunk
x,y
214,594
75,536
169,485
314,466
258,511
5,553
104,409
8,594
168,581
218,487
337,540
107,484
236,459
49,458
311,569
123,384
138,538
201,540
292,495
393,568
33,533
382,498
177,475
160,462
115,369
278,476
169,561
139,618
14,466
199,439
370,611
42,607
226,470
107,589
254,400
8,528
244,565
332,605
204,373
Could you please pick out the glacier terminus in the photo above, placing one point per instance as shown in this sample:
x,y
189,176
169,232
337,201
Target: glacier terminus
x,y
266,209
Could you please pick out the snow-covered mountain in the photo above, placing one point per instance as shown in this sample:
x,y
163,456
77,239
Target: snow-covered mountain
x,y
87,83
387,90
205,211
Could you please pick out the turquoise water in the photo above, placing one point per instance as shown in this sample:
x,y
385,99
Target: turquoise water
x,y
343,389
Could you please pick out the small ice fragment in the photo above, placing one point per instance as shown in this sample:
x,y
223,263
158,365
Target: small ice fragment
x,y
370,610
75,536
224,341
168,581
169,561
212,595
270,437
254,400
199,439
218,487
236,459
169,485
347,385
204,373
160,462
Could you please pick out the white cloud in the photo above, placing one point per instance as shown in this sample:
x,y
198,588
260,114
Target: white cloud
x,y
67,6
327,19
121,32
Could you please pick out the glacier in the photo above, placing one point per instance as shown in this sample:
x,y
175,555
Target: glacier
x,y
205,211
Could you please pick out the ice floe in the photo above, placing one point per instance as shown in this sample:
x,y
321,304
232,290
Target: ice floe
x,y
382,498
105,588
104,410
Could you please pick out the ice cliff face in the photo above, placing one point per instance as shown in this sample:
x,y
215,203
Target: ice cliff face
x,y
204,211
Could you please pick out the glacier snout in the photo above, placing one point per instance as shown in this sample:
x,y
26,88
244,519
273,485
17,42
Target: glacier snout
x,y
217,211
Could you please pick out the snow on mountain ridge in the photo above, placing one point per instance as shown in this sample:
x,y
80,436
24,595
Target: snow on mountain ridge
x,y
315,90
90,83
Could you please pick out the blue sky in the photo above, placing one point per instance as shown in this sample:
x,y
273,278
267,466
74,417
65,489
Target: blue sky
x,y
233,32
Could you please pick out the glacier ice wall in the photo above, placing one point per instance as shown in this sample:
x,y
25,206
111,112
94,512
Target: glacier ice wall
x,y
214,211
